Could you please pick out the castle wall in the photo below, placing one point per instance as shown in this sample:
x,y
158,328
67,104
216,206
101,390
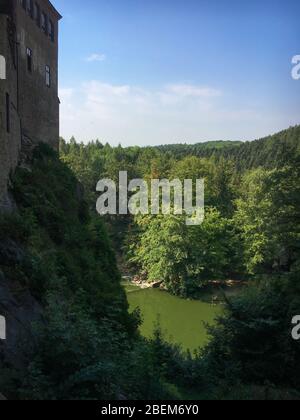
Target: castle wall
x,y
10,142
39,104
33,106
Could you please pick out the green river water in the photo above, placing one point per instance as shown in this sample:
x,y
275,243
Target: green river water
x,y
182,321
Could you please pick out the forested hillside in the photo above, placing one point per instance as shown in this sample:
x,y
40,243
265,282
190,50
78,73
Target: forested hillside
x,y
204,149
58,261
71,336
252,208
251,232
269,152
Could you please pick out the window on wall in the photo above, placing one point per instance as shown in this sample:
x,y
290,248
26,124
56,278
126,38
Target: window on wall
x,y
48,76
51,30
7,113
29,59
30,7
37,14
44,23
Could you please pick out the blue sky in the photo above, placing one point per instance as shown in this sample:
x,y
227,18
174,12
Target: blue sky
x,y
165,71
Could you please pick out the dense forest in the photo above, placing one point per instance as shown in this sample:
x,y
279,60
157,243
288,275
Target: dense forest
x,y
87,346
252,208
251,232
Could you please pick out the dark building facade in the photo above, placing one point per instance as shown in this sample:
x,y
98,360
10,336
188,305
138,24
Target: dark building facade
x,y
29,104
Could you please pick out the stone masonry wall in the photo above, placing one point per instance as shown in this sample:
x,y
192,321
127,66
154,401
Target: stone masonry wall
x,y
33,106
10,143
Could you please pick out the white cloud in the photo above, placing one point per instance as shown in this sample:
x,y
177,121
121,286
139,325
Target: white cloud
x,y
173,113
96,57
194,91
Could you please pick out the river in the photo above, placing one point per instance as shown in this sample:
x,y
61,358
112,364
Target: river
x,y
182,321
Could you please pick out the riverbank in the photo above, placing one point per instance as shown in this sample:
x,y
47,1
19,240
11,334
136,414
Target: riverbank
x,y
214,291
135,281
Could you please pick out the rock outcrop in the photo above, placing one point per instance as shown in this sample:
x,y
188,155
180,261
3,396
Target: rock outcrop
x,y
20,309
